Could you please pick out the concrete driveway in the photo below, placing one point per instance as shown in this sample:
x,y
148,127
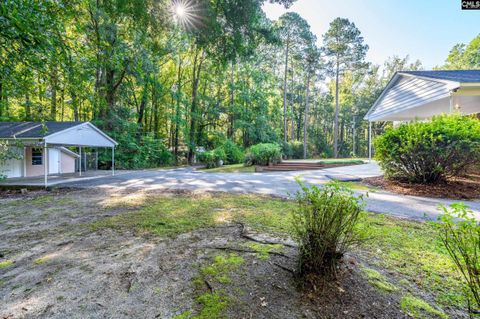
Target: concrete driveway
x,y
272,183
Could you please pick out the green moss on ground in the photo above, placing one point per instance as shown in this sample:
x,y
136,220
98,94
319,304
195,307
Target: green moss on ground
x,y
263,250
220,268
378,280
418,308
5,263
213,303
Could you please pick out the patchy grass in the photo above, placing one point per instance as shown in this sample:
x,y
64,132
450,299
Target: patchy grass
x,y
221,267
170,216
41,202
378,280
415,255
234,168
213,303
42,260
347,161
5,263
418,308
409,251
263,250
359,186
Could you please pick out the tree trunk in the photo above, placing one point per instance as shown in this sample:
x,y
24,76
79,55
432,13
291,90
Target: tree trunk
x,y
335,125
230,130
53,88
143,103
197,67
305,122
110,92
293,121
177,110
1,97
28,109
73,95
354,137
63,104
285,92
156,116
292,103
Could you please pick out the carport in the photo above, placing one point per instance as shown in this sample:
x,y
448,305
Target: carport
x,y
420,95
45,136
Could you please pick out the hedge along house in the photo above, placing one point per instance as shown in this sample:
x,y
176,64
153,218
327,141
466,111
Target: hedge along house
x,y
42,147
420,95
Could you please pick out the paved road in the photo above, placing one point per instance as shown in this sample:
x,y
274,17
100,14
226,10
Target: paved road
x,y
273,183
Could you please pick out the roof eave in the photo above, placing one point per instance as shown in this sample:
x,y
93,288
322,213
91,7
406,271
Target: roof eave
x,y
85,124
451,85
426,78
389,85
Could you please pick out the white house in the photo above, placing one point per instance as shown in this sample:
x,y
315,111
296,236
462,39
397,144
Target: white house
x,y
419,95
42,146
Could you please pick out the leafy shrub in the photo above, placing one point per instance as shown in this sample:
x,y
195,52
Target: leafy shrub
x,y
213,140
135,150
9,152
234,154
212,158
324,225
293,150
428,152
460,234
152,153
263,154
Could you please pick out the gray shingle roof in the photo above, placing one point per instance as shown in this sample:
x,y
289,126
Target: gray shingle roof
x,y
33,129
462,76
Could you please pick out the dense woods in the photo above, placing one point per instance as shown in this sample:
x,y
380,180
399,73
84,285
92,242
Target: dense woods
x,y
164,78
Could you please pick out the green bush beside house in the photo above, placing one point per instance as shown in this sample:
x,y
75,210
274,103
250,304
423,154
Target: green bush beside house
x,y
429,152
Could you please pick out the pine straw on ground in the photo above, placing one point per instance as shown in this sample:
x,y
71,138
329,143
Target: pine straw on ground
x,y
465,187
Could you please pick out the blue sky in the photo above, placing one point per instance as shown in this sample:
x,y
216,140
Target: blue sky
x,y
424,29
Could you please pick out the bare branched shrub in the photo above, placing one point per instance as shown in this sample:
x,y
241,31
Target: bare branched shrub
x,y
324,225
460,234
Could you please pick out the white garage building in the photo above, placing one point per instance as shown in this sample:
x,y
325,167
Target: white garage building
x,y
42,147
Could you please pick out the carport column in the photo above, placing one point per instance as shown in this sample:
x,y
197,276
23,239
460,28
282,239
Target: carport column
x,y
45,163
369,141
80,162
113,160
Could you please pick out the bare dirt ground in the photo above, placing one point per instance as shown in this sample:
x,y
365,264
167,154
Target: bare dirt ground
x,y
62,268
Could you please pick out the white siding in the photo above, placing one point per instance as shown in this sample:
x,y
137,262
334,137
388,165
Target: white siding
x,y
82,135
407,93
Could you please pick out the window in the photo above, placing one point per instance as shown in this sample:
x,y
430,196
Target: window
x,y
37,156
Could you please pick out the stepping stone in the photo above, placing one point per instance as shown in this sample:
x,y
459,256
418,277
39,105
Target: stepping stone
x,y
344,178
